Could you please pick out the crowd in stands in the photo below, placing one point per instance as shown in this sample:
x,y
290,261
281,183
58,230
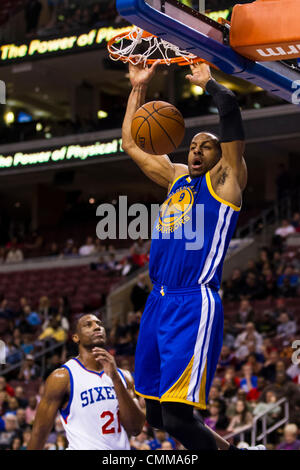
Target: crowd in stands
x,y
256,366
15,251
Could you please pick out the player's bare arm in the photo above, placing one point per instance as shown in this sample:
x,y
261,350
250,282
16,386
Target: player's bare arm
x,y
229,177
131,416
56,390
158,168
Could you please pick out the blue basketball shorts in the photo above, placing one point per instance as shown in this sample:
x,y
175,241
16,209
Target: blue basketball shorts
x,y
179,344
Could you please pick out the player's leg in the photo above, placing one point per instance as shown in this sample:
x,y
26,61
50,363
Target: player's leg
x,y
179,421
147,358
189,355
154,413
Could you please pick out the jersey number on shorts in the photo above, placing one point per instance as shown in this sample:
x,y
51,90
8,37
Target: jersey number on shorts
x,y
106,429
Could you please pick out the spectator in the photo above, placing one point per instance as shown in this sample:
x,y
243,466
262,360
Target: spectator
x,y
54,331
53,251
230,383
20,396
141,441
101,265
31,409
216,420
266,324
216,395
160,436
5,312
26,438
139,252
88,249
27,346
255,360
32,318
241,419
21,418
68,248
227,358
287,328
139,293
5,387
112,263
13,354
166,445
12,404
247,338
290,441
252,288
268,406
128,267
283,387
14,255
29,370
10,432
285,230
289,273
244,315
264,258
44,308
249,380
61,443
16,443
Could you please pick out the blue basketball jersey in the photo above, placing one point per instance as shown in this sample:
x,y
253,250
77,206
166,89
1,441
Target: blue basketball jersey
x,y
191,235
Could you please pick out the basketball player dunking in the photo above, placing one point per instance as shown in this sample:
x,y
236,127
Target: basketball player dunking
x,y
93,396
182,325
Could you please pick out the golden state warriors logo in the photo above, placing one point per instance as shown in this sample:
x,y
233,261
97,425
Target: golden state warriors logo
x,y
173,212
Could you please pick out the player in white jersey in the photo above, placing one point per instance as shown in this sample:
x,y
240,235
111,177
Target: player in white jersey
x,y
94,398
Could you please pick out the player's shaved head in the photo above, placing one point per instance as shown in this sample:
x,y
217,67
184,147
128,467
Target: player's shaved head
x,y
208,135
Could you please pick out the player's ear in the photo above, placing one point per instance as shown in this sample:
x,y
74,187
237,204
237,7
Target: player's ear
x,y
75,338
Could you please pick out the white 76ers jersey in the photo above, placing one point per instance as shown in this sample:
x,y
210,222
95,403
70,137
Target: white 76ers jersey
x,y
91,418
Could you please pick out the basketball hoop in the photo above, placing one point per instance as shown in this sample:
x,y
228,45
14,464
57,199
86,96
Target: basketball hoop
x,y
123,47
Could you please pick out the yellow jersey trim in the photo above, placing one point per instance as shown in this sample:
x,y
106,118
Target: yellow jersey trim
x,y
146,396
181,176
179,390
203,385
201,406
218,198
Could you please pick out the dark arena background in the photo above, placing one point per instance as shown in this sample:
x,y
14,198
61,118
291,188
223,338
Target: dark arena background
x,y
61,157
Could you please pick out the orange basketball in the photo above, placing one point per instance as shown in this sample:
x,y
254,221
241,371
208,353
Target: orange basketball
x,y
157,127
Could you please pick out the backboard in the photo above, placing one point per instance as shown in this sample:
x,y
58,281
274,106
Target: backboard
x,y
197,33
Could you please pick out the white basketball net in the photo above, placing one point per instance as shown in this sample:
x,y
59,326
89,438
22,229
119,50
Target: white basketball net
x,y
155,44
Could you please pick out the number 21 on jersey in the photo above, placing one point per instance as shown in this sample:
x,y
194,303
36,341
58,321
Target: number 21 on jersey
x,y
109,427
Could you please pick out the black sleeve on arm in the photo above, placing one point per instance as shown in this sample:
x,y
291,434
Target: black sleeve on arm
x,y
231,124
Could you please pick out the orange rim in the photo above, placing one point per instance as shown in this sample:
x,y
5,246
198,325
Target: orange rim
x,y
181,61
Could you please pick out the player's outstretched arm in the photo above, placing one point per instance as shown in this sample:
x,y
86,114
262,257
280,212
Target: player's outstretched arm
x,y
56,389
232,135
131,416
158,168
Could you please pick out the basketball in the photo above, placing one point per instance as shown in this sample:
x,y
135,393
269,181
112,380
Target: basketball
x,y
157,127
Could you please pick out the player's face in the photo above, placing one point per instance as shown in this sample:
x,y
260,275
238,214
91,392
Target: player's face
x,y
90,332
204,154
